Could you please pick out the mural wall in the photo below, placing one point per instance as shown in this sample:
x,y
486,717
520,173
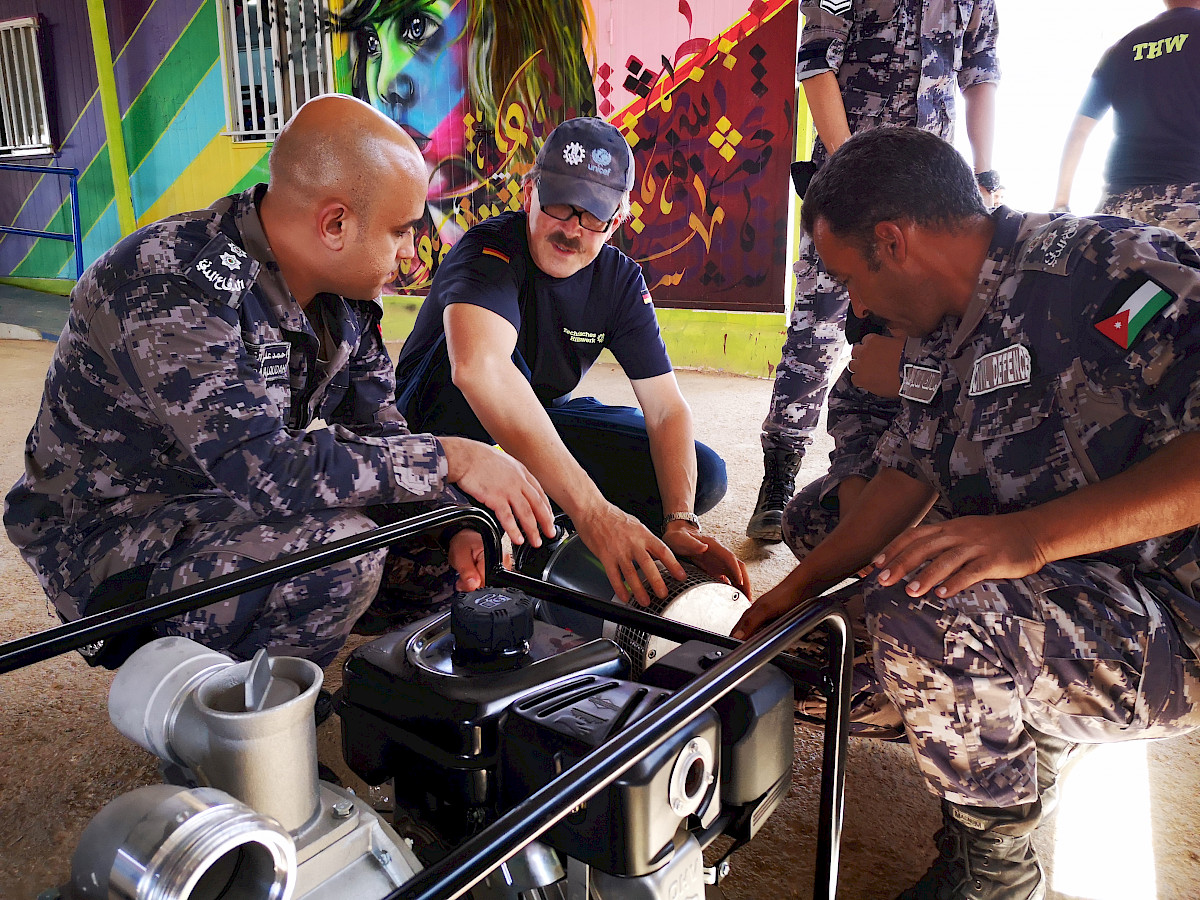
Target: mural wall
x,y
703,90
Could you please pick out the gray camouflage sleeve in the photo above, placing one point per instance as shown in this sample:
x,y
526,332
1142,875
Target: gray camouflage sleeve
x,y
823,38
980,64
183,356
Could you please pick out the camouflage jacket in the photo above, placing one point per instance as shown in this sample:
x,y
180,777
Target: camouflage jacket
x,y
189,386
1076,358
898,61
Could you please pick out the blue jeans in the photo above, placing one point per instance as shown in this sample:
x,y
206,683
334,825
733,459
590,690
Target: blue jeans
x,y
609,442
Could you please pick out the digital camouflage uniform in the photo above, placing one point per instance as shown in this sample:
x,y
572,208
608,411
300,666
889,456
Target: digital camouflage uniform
x,y
1034,394
857,419
1172,206
898,62
193,424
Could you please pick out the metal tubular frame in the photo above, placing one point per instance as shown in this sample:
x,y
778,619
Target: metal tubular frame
x,y
53,641
76,236
633,617
471,862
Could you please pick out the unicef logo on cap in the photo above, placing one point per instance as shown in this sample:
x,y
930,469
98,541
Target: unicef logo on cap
x,y
601,157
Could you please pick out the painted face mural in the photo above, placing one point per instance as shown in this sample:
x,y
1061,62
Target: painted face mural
x,y
704,92
704,96
477,88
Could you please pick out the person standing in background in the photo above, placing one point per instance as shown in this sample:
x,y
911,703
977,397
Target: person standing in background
x,y
865,63
1151,81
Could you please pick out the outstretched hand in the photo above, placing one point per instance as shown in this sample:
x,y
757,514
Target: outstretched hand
x,y
951,556
628,551
708,554
769,607
504,485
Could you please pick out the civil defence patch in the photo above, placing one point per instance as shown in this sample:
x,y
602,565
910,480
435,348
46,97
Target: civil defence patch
x,y
1139,308
1003,368
222,268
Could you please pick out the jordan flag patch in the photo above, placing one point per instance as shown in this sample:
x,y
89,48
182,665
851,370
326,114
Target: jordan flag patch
x,y
1139,308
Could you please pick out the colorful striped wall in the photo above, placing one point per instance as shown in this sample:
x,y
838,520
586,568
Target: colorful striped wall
x,y
170,93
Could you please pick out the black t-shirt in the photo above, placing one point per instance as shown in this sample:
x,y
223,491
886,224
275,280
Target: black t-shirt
x,y
1151,79
562,323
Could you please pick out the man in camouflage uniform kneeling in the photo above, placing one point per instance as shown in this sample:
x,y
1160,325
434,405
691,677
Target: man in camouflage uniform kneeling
x,y
221,396
1051,405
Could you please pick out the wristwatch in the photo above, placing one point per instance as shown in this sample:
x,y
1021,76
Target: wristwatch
x,y
989,180
681,517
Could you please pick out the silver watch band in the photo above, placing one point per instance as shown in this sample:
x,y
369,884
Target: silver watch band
x,y
681,517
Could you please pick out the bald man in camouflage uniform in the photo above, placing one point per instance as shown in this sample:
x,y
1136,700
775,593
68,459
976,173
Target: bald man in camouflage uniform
x,y
221,396
1052,403
865,63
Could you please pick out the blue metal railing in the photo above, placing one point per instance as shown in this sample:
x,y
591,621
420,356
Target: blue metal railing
x,y
75,236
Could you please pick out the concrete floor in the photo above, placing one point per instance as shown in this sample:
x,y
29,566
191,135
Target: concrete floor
x,y
1126,827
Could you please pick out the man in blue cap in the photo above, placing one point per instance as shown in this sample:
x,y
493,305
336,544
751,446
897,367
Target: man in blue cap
x,y
518,312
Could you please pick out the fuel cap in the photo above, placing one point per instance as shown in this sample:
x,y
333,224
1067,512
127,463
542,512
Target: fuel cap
x,y
492,626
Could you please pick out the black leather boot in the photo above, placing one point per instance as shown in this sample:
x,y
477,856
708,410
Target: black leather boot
x,y
778,485
984,854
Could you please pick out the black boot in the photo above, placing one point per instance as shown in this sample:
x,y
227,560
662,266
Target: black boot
x,y
983,854
779,483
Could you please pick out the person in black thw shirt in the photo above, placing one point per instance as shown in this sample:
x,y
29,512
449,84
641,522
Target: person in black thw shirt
x,y
1151,80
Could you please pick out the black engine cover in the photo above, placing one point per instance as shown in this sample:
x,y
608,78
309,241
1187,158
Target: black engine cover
x,y
411,712
627,829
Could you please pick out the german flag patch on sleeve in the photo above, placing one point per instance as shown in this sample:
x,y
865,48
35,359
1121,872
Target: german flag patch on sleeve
x,y
492,251
1130,308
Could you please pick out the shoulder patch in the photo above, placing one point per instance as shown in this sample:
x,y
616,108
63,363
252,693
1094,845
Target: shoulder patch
x,y
498,254
837,7
1055,247
223,269
1131,306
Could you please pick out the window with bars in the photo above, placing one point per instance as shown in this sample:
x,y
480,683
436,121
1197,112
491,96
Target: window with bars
x,y
277,55
24,122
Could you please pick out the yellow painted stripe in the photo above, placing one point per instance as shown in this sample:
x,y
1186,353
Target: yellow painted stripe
x,y
110,107
222,162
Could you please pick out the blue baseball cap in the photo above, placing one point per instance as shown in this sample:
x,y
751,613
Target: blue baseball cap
x,y
587,163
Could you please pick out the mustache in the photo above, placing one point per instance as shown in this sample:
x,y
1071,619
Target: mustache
x,y
560,238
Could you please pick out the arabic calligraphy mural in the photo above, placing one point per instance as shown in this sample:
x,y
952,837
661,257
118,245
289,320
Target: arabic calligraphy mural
x,y
703,91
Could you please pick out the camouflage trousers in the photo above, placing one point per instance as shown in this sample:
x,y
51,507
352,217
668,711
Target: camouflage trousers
x,y
814,344
1081,650
1172,206
309,616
